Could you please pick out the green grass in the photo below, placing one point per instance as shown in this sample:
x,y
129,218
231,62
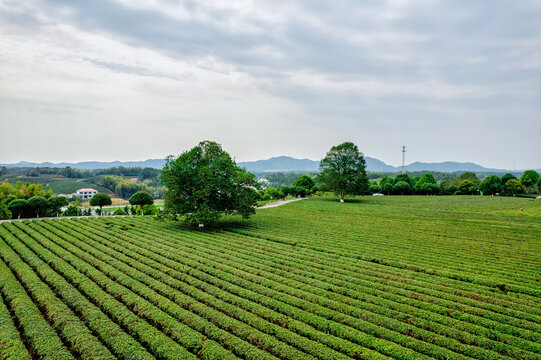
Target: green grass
x,y
411,277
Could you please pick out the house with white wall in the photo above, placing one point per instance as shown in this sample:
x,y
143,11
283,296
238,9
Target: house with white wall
x,y
86,193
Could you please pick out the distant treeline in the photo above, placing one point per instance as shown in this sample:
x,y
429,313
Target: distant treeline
x,y
466,184
139,172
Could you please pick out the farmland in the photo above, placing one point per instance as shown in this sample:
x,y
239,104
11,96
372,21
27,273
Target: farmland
x,y
415,277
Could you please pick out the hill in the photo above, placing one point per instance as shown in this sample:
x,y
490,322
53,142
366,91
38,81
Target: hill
x,y
281,164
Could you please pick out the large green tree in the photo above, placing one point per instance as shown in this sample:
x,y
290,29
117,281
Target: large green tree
x,y
513,187
529,178
204,183
507,177
343,170
491,185
427,184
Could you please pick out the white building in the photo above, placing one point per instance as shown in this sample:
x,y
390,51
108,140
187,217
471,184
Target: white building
x,y
86,193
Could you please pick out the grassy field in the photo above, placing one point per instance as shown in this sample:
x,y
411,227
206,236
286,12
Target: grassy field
x,y
376,278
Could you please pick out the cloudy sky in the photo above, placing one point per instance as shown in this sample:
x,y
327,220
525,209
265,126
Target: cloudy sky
x,y
137,79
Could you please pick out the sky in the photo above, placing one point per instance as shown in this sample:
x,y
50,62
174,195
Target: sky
x,y
138,79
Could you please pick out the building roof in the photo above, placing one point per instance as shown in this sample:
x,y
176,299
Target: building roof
x,y
87,189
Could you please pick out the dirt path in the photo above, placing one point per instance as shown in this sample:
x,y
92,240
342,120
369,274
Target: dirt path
x,y
279,203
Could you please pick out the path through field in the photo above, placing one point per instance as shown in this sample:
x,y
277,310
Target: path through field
x,y
279,203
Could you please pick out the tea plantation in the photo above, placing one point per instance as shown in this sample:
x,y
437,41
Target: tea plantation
x,y
416,277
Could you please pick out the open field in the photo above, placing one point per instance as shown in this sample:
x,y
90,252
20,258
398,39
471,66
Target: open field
x,y
411,277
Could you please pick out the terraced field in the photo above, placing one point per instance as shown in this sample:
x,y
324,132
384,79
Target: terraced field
x,y
377,278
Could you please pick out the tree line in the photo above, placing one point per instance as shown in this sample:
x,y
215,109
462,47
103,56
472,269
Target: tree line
x,y
466,184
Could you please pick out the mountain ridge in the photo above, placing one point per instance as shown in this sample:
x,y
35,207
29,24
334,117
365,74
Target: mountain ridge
x,y
279,164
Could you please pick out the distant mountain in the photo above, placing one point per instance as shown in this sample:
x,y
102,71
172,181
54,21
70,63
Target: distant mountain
x,y
278,164
93,165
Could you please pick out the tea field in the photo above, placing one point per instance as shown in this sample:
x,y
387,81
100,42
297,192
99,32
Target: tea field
x,y
413,277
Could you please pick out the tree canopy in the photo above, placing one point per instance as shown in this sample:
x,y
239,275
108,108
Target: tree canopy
x,y
39,204
529,178
55,203
141,198
513,187
343,170
491,185
101,200
204,183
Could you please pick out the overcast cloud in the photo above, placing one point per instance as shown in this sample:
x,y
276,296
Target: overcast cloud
x,y
138,79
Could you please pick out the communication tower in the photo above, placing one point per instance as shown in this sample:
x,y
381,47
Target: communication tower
x,y
403,159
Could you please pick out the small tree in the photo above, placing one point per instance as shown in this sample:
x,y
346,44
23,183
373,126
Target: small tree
x,y
406,178
467,187
72,211
513,187
101,200
141,198
529,178
375,188
429,188
343,170
401,188
305,182
55,203
39,204
17,207
507,177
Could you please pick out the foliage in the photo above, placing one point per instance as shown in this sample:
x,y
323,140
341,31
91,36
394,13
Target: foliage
x,y
304,185
5,213
529,178
406,178
375,188
150,209
204,183
101,200
72,211
17,207
343,170
513,187
428,188
491,185
467,187
401,188
386,180
507,177
120,211
468,175
55,203
39,204
141,198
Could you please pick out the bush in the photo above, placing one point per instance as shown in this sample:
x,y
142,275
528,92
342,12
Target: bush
x,y
119,211
72,211
150,209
